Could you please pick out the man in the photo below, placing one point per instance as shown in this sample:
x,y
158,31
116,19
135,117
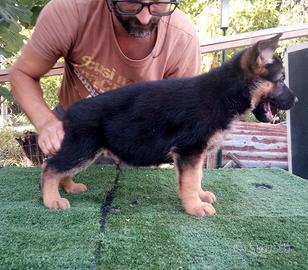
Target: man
x,y
105,44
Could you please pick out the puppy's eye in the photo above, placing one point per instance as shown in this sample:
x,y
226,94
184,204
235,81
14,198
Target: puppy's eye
x,y
281,79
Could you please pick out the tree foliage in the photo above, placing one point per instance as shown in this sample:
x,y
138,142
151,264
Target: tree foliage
x,y
193,8
14,16
255,16
249,15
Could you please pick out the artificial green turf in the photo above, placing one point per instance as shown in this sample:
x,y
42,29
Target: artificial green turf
x,y
146,228
32,237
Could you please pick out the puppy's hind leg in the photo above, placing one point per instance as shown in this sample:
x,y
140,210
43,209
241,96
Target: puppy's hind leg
x,y
76,154
71,187
50,181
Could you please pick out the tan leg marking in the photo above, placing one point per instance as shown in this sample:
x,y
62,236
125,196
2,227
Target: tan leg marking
x,y
189,175
71,187
50,189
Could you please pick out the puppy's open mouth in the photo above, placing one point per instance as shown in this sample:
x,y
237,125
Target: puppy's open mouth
x,y
268,110
265,111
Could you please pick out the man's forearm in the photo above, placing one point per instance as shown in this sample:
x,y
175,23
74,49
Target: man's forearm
x,y
29,96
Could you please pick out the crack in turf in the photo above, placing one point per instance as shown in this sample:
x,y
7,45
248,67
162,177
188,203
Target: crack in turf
x,y
105,210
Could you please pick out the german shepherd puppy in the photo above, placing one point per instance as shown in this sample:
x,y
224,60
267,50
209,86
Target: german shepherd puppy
x,y
154,122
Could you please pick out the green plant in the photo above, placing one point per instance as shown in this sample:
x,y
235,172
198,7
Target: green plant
x,y
11,153
8,99
248,16
14,16
50,86
193,8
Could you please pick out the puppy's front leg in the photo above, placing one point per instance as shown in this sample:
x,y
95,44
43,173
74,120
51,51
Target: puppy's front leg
x,y
189,176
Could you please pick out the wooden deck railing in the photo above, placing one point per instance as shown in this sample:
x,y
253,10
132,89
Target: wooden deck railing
x,y
246,39
216,44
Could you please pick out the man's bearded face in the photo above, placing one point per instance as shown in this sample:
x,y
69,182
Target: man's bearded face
x,y
133,26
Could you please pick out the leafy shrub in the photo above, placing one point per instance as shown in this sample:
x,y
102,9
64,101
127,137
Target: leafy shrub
x,y
11,153
51,86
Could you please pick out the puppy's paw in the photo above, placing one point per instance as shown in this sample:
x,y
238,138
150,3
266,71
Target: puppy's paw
x,y
201,209
207,196
58,203
75,188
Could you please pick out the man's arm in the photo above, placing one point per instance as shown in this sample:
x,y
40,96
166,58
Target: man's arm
x,y
24,76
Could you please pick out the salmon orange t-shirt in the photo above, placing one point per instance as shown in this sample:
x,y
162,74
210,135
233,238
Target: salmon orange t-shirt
x,y
82,32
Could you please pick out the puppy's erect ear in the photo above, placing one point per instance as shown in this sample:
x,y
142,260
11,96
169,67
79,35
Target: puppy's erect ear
x,y
265,50
256,57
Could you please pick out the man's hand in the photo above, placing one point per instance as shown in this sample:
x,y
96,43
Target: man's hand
x,y
50,137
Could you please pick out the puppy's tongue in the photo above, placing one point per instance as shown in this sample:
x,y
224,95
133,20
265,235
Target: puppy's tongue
x,y
267,108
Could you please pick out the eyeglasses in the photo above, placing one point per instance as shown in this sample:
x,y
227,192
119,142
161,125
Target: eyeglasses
x,y
125,7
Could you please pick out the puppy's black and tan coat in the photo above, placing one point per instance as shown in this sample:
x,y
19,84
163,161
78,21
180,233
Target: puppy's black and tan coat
x,y
155,122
